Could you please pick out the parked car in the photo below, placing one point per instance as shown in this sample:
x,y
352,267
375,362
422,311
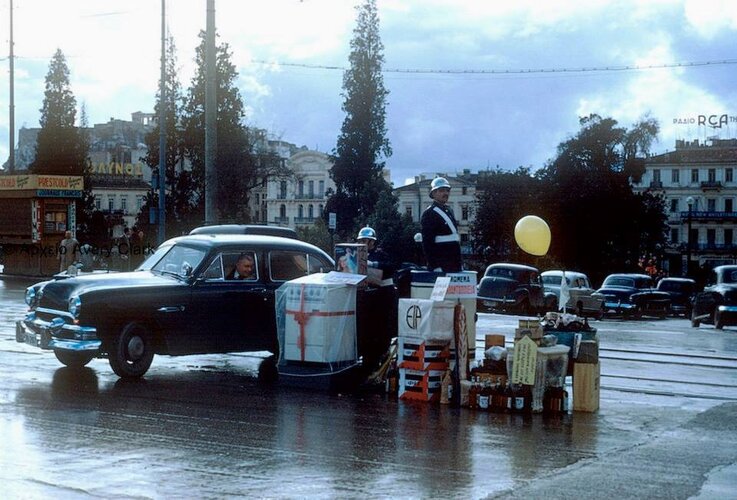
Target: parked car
x,y
717,303
583,300
681,291
513,288
179,301
633,295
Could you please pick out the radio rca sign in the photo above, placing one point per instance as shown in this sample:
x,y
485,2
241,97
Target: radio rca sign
x,y
713,121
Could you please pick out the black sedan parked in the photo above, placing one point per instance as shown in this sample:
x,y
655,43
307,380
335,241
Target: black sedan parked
x,y
681,291
717,304
514,288
633,295
186,298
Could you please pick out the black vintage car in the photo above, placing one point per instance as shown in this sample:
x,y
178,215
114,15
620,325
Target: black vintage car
x,y
717,304
514,288
681,291
184,299
633,295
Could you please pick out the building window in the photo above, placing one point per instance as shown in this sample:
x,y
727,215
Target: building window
x,y
675,176
283,190
408,210
674,205
694,175
98,203
728,207
310,212
674,235
728,175
283,211
321,188
139,202
656,175
711,205
728,237
124,203
300,211
311,188
320,208
111,203
712,172
711,237
464,190
464,212
301,189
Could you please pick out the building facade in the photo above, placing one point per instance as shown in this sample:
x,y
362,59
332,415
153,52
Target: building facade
x,y
698,183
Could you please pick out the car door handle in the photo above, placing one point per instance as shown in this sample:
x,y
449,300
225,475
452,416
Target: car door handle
x,y
170,309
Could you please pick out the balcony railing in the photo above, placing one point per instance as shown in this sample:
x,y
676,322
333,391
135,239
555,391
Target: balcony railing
x,y
710,185
305,220
281,220
656,184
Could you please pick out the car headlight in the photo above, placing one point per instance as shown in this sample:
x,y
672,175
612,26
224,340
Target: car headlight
x,y
30,295
75,306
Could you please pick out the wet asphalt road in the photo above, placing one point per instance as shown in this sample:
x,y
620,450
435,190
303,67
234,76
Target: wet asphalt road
x,y
204,427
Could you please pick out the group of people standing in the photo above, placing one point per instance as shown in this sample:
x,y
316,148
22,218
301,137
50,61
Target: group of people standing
x,y
124,253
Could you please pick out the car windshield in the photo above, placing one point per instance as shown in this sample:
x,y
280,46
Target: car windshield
x,y
553,280
154,257
673,286
503,272
179,260
625,282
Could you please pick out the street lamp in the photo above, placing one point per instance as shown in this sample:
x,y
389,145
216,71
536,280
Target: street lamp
x,y
689,202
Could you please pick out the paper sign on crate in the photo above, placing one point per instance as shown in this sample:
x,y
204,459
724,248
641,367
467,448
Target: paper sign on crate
x,y
524,362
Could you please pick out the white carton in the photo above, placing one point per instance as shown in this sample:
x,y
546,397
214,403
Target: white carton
x,y
426,320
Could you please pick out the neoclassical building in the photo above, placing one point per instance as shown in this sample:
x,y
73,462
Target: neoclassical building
x,y
698,182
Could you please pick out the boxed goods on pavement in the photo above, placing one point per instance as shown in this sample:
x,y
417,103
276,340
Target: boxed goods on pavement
x,y
351,258
587,352
320,321
422,355
550,369
494,339
420,385
586,386
425,319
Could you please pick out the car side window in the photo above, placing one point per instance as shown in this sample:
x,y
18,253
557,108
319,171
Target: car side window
x,y
214,271
240,265
285,265
318,264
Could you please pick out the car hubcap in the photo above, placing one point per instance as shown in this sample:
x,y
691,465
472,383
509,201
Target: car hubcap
x,y
135,348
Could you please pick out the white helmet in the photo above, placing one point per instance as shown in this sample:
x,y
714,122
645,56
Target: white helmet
x,y
438,183
367,233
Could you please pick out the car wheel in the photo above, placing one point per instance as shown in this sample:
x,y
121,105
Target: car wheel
x,y
599,314
524,308
579,309
718,320
267,370
637,314
73,359
132,351
695,323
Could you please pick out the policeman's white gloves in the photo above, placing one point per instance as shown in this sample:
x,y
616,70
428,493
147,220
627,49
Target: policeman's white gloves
x,y
373,263
438,270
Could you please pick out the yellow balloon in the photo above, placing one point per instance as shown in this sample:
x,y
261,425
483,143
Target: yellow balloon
x,y
532,235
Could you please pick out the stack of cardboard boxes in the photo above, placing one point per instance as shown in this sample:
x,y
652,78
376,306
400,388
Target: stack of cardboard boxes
x,y
423,350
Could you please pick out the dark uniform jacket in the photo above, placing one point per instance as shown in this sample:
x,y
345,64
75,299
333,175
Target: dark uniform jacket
x,y
440,239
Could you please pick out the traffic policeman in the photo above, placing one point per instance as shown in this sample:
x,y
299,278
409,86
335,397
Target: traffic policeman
x,y
440,239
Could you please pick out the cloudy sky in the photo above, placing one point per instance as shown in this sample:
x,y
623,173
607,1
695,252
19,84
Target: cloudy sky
x,y
473,84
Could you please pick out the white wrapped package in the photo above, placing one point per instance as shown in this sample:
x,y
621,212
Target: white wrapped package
x,y
425,320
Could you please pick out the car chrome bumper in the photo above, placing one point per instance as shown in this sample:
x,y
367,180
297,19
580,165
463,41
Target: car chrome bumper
x,y
618,306
497,303
56,334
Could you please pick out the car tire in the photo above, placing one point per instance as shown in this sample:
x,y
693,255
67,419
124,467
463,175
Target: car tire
x,y
73,359
132,351
695,323
524,308
599,314
267,371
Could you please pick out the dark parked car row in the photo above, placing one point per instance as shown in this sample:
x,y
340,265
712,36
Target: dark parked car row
x,y
522,289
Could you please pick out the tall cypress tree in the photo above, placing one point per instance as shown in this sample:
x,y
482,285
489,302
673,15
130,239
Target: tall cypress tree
x,y
362,145
61,148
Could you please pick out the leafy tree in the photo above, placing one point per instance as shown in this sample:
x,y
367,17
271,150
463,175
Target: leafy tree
x,y
503,198
395,233
318,235
598,223
61,149
181,194
362,145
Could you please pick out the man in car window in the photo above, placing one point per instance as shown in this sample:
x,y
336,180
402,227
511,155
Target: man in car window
x,y
244,269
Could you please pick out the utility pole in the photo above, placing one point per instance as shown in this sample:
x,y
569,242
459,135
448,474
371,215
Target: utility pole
x,y
211,180
162,130
11,135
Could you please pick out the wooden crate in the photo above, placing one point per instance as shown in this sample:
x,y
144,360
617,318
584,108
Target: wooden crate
x,y
586,386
